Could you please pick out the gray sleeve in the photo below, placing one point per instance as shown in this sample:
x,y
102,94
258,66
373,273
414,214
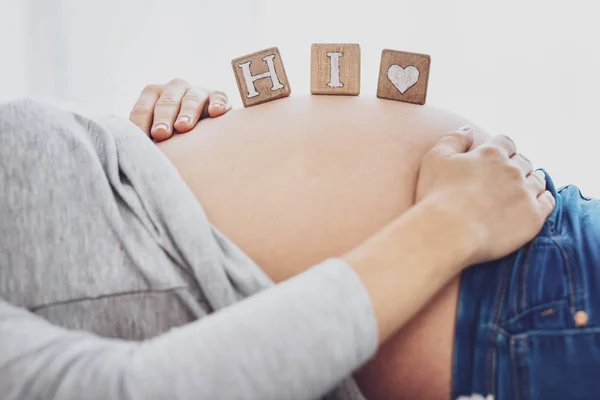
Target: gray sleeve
x,y
296,340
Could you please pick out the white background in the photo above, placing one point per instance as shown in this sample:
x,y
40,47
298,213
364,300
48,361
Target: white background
x,y
530,69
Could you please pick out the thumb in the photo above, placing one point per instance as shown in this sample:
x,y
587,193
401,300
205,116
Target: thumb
x,y
452,143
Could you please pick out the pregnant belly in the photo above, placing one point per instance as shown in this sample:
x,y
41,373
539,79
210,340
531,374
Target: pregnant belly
x,y
298,180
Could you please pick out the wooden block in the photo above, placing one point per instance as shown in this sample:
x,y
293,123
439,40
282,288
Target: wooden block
x,y
335,69
261,77
403,76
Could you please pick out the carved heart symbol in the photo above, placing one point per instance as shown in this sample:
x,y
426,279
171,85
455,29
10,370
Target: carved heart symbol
x,y
403,78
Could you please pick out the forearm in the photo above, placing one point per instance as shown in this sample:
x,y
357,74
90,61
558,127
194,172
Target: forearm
x,y
405,264
293,341
296,340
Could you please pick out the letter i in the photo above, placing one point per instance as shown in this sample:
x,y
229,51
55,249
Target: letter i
x,y
334,77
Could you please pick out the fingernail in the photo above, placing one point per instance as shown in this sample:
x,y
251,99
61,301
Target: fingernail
x,y
162,126
185,119
219,106
465,129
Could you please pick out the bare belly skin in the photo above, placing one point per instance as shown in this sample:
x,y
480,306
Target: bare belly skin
x,y
298,180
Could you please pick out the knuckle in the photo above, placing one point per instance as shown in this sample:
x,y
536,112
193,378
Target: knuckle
x,y
513,171
433,155
454,137
178,82
507,139
524,158
527,164
219,93
537,181
194,96
490,151
446,143
153,88
531,199
528,197
140,110
167,100
544,201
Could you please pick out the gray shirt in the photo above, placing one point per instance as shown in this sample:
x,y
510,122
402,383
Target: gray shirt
x,y
114,284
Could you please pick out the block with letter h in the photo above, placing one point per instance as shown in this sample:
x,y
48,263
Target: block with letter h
x,y
261,77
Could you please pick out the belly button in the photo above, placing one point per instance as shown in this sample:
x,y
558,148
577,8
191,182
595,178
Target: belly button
x,y
581,319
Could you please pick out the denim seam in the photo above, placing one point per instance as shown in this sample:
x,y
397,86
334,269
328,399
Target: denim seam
x,y
518,352
524,282
578,290
580,294
495,328
556,302
569,277
513,356
525,368
554,332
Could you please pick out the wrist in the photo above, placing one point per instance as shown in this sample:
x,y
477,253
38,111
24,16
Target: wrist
x,y
408,261
448,232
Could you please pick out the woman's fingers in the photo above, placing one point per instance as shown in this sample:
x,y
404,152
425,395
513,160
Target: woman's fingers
x,y
536,181
167,109
490,177
197,104
161,109
523,163
143,111
218,104
500,145
192,104
546,203
453,143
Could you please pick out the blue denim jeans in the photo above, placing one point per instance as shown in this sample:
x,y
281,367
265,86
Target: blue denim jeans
x,y
528,325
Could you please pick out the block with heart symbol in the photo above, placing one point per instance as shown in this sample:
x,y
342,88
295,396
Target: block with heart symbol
x,y
261,77
335,69
403,76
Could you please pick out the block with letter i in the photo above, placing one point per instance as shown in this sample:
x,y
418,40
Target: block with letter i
x,y
261,77
403,76
335,69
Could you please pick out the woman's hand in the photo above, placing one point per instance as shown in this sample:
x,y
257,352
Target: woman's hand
x,y
176,104
472,206
492,189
